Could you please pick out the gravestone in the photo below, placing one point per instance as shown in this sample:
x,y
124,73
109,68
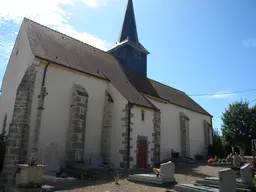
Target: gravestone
x,y
51,158
246,174
227,180
245,182
166,175
167,170
227,183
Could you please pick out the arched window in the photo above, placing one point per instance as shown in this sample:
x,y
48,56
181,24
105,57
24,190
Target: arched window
x,y
142,115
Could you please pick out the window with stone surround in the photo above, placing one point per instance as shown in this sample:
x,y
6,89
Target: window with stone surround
x,y
142,115
184,136
207,133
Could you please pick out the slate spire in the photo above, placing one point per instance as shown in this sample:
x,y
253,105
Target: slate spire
x,y
129,29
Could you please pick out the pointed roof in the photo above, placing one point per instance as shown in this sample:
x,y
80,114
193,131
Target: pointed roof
x,y
129,29
129,33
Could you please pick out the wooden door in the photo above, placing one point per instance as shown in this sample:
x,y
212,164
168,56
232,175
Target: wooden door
x,y
142,156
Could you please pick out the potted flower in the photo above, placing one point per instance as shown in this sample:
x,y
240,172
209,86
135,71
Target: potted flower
x,y
156,171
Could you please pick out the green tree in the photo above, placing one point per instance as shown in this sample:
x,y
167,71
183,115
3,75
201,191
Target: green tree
x,y
238,125
216,149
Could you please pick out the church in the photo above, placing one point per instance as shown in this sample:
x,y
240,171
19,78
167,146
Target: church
x,y
92,103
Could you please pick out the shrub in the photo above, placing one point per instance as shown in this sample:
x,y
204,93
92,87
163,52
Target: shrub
x,y
215,159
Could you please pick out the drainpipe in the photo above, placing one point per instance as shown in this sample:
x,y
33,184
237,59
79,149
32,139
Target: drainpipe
x,y
45,70
128,135
40,108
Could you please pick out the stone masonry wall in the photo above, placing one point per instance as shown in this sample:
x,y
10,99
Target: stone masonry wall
x,y
184,135
76,131
207,128
124,146
17,144
156,137
106,129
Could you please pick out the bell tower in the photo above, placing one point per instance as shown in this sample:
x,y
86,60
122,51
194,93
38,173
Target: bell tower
x,y
128,50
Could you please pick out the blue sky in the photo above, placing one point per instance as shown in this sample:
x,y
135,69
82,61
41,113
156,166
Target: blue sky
x,y
197,46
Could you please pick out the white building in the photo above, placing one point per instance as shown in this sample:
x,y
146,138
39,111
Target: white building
x,y
97,103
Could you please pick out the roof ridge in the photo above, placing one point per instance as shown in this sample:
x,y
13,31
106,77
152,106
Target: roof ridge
x,y
65,35
166,85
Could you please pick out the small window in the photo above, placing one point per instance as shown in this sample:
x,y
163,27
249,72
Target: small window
x,y
142,115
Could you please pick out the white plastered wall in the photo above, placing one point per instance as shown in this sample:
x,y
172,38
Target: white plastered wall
x,y
170,129
141,128
20,60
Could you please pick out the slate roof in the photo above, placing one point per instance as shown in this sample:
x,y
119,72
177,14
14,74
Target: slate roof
x,y
129,34
167,93
68,52
129,28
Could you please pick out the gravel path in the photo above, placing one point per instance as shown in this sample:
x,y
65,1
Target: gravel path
x,y
183,174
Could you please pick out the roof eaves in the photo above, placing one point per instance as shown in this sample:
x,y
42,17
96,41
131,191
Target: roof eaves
x,y
121,44
170,102
57,63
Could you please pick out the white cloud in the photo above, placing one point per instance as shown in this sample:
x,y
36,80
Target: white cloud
x,y
50,13
94,3
220,95
5,48
223,95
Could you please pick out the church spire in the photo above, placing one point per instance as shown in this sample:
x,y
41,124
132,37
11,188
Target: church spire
x,y
130,53
129,29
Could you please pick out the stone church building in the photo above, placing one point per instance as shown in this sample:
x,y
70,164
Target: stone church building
x,y
92,103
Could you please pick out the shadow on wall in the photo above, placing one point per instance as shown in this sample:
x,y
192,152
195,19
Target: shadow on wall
x,y
2,154
78,184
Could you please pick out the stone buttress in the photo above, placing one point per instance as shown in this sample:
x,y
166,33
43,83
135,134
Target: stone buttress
x,y
156,137
106,129
18,136
76,131
184,135
124,145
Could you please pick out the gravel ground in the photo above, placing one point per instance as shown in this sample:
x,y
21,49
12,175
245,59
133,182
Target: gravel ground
x,y
183,174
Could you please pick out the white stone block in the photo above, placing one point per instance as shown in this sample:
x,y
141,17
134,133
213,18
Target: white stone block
x,y
246,173
29,174
227,180
167,170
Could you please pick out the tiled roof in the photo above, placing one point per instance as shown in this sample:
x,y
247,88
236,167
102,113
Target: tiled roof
x,y
161,91
63,50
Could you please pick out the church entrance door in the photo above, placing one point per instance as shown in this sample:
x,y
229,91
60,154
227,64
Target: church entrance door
x,y
142,154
